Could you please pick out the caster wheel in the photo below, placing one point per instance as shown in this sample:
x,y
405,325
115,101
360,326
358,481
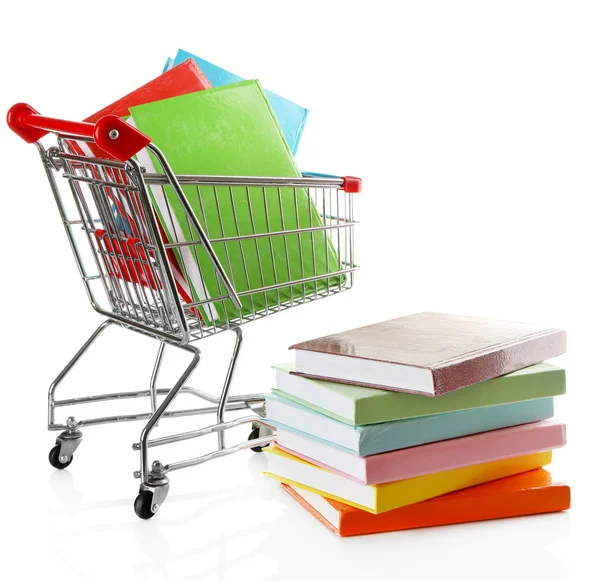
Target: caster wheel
x,y
54,458
143,505
255,434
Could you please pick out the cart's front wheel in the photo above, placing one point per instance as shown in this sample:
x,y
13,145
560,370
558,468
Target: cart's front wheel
x,y
143,505
254,435
59,462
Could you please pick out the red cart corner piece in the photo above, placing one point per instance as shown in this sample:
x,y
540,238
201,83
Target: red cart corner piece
x,y
111,133
118,138
352,185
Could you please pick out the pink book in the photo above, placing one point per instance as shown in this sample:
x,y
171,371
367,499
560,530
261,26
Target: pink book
x,y
429,458
427,353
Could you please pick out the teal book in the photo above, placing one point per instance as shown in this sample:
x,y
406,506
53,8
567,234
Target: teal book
x,y
357,405
231,130
286,415
291,117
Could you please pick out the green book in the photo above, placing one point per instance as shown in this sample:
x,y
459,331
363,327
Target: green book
x,y
231,130
359,406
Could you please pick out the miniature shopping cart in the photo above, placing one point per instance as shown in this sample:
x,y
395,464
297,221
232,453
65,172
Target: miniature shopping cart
x,y
152,261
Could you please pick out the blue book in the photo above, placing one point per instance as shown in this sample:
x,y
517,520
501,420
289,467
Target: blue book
x,y
287,415
290,116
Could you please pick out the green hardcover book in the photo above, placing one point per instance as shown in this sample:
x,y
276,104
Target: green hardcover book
x,y
359,406
232,130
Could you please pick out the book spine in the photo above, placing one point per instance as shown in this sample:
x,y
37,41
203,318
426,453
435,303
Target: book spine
x,y
448,377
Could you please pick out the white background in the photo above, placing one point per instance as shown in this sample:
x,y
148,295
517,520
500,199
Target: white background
x,y
476,129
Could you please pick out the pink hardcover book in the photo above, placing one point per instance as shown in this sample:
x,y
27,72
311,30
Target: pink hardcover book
x,y
427,353
429,458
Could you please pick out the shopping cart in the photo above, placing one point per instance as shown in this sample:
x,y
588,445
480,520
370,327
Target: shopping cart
x,y
141,268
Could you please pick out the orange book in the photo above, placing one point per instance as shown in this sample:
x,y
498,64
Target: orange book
x,y
533,492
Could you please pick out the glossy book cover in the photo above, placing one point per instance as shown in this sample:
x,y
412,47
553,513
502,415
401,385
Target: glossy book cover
x,y
290,116
428,458
231,130
358,406
377,438
533,492
427,353
378,498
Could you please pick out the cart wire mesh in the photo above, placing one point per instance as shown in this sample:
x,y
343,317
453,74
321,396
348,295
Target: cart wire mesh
x,y
182,257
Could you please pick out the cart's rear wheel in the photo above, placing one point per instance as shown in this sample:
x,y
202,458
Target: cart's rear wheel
x,y
143,505
55,458
254,435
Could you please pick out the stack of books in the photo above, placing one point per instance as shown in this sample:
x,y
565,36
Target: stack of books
x,y
423,420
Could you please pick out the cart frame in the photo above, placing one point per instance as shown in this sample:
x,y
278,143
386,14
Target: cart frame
x,y
141,282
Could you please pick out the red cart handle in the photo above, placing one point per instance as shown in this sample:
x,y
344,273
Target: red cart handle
x,y
111,133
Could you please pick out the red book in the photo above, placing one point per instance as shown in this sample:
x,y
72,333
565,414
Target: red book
x,y
180,80
532,492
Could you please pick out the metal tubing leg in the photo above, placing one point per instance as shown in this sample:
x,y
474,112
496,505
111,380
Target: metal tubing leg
x,y
202,432
227,385
247,397
70,366
155,372
162,409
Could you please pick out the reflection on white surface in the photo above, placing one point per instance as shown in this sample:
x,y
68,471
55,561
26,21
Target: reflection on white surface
x,y
244,526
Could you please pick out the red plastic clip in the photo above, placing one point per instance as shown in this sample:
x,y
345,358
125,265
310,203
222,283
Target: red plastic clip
x,y
352,185
118,138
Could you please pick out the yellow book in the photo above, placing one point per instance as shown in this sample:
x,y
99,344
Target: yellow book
x,y
377,498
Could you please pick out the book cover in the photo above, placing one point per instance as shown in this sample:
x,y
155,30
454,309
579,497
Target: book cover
x,y
290,116
378,498
377,438
428,458
427,353
182,79
359,406
231,130
533,492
